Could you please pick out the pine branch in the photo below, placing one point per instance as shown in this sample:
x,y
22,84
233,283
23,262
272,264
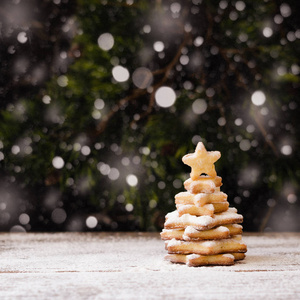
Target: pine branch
x,y
103,124
166,71
141,92
264,132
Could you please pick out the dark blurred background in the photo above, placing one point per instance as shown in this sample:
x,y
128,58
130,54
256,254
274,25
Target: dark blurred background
x,y
100,100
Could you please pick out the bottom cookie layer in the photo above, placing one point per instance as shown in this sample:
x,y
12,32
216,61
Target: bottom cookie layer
x,y
196,260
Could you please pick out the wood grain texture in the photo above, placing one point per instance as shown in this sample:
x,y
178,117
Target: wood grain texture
x,y
132,266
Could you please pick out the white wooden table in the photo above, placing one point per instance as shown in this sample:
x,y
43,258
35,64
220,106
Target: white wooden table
x,y
131,266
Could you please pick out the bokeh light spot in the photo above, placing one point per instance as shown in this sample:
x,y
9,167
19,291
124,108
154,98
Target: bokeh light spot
x,y
62,81
223,4
238,122
15,149
58,162
158,46
91,222
292,198
177,183
222,121
286,150
285,10
96,114
199,40
58,215
106,41
175,7
258,98
240,5
142,78
147,28
46,99
245,145
165,97
1,156
129,207
278,19
99,104
145,150
267,32
17,228
113,174
103,168
132,180
184,60
250,128
120,74
22,37
161,185
125,161
152,203
85,150
24,219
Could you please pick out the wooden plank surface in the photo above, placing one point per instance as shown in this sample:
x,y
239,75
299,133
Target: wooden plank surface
x,y
131,266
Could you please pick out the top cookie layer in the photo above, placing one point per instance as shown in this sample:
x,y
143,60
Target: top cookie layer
x,y
202,161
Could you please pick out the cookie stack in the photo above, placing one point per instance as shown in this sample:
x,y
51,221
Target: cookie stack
x,y
203,230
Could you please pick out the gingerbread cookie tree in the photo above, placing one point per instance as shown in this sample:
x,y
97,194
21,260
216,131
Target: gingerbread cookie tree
x,y
203,230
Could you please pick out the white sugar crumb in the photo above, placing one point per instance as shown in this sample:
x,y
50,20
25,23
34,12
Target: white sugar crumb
x,y
228,255
230,210
181,194
172,230
172,214
204,220
237,226
201,220
192,256
209,243
209,206
190,230
208,182
188,219
173,243
222,229
187,206
199,196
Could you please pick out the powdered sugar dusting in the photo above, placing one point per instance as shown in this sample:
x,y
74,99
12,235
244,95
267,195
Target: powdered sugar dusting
x,y
209,206
172,214
222,229
130,266
187,219
199,196
190,230
209,243
173,242
193,256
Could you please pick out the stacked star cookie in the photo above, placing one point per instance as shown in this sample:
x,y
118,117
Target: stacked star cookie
x,y
203,230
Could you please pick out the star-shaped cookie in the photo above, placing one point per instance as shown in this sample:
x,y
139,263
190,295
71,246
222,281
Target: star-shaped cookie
x,y
202,161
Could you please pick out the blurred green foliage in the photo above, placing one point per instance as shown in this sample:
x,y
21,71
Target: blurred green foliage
x,y
132,134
